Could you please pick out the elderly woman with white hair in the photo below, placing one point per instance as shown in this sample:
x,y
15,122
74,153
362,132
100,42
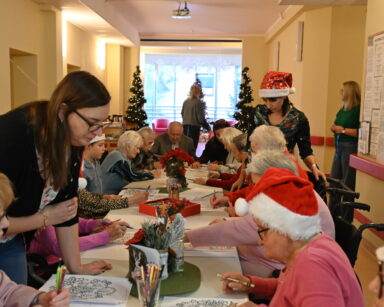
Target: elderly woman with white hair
x,y
317,272
116,168
239,231
231,164
145,159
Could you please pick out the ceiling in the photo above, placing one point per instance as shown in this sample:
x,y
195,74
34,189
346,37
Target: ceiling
x,y
127,21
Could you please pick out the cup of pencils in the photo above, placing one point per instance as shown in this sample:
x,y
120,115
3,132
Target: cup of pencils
x,y
148,284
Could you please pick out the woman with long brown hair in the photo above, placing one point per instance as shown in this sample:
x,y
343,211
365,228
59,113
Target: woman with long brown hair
x,y
345,130
41,145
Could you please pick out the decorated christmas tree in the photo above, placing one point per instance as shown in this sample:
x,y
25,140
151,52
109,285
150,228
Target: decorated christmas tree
x,y
135,111
245,110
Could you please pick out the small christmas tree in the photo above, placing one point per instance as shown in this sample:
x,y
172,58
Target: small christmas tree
x,y
135,111
245,111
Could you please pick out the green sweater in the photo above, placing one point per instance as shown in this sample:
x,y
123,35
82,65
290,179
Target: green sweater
x,y
347,119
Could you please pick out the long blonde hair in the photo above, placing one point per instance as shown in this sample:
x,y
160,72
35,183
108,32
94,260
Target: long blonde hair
x,y
353,94
195,91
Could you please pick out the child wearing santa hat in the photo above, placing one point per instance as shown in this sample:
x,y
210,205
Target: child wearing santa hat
x,y
317,272
278,111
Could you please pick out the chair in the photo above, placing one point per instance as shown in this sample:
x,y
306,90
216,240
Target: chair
x,y
39,271
160,125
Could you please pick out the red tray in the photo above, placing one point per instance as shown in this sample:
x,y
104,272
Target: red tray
x,y
149,207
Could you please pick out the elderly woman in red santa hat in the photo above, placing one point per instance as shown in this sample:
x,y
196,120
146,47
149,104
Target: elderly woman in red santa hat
x,y
317,272
278,111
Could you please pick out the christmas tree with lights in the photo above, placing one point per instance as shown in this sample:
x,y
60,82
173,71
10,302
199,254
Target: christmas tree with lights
x,y
245,110
135,111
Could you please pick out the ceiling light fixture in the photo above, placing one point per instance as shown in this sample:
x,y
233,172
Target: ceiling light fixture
x,y
181,13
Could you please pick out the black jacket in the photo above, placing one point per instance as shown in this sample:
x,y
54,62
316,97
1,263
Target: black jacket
x,y
19,162
214,151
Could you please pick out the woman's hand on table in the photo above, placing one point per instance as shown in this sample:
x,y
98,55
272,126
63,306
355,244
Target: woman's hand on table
x,y
195,164
213,175
231,211
213,166
137,198
157,165
61,212
156,173
231,286
219,201
111,196
200,181
94,268
117,230
54,299
218,220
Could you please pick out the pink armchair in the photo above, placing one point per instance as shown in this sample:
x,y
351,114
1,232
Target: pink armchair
x,y
160,125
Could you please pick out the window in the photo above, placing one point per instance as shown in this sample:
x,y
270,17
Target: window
x,y
168,78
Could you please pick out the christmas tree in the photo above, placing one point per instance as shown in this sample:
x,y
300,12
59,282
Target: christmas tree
x,y
135,111
245,111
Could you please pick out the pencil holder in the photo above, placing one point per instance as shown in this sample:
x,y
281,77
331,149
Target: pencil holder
x,y
149,293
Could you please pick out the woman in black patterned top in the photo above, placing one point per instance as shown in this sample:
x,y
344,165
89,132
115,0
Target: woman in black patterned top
x,y
279,111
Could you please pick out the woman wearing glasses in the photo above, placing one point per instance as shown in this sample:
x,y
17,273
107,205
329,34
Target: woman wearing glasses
x,y
317,272
41,145
279,111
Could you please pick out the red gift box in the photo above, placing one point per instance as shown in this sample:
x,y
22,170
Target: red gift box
x,y
149,207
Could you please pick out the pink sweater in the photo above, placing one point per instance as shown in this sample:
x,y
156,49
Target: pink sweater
x,y
242,232
320,275
15,295
45,242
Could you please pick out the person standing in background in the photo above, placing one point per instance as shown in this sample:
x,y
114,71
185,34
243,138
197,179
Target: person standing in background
x,y
345,131
193,114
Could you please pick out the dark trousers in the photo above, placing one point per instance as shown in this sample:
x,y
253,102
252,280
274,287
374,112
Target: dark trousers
x,y
193,132
13,259
340,167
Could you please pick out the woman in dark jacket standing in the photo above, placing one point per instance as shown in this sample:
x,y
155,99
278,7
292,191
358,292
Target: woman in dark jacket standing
x,y
279,111
193,114
41,145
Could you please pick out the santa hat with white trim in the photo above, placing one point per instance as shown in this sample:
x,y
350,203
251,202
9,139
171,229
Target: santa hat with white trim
x,y
286,203
276,84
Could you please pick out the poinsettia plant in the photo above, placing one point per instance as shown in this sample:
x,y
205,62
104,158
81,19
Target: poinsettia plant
x,y
173,162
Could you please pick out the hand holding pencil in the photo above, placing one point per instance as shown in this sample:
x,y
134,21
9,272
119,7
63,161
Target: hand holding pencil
x,y
235,282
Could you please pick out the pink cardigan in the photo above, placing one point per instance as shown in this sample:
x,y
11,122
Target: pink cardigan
x,y
242,232
320,275
15,295
45,242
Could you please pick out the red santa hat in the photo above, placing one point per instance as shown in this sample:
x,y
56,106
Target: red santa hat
x,y
286,203
276,84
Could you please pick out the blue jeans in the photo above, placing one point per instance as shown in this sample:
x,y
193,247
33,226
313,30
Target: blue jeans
x,y
340,167
13,260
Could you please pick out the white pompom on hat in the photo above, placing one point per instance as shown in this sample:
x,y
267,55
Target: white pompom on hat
x,y
286,203
82,183
97,138
241,207
276,84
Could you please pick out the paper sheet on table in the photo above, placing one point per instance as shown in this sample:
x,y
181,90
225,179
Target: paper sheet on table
x,y
171,301
94,289
152,193
196,193
110,251
210,251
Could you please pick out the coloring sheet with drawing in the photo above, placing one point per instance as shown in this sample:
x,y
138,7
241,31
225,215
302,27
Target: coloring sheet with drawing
x,y
170,301
94,289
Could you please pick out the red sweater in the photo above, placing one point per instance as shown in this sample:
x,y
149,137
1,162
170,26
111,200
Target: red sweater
x,y
226,180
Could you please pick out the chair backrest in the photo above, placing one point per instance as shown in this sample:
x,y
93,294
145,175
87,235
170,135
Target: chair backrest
x,y
161,122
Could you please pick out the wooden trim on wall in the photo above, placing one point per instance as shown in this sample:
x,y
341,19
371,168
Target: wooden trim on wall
x,y
317,140
330,141
367,166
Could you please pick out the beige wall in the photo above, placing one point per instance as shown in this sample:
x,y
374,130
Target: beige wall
x,y
115,77
131,60
371,189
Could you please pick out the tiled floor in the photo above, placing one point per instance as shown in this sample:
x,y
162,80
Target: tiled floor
x,y
366,268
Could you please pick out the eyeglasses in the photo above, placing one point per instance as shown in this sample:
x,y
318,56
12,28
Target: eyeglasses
x,y
381,278
93,127
271,99
262,237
